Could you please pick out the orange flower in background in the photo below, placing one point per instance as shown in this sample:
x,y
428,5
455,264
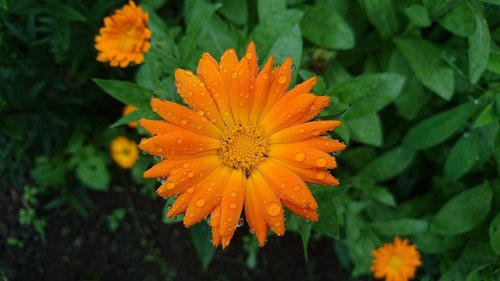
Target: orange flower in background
x,y
397,261
124,152
245,141
126,111
124,37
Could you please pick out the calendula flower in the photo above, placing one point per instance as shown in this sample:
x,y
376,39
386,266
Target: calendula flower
x,y
244,141
124,152
124,37
126,111
397,261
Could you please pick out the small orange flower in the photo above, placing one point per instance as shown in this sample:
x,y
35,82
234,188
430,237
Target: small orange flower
x,y
397,261
124,37
124,152
126,111
245,140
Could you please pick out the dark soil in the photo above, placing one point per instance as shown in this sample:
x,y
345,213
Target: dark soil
x,y
143,248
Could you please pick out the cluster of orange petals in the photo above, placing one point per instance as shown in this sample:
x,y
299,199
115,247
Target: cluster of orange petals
x,y
244,142
124,37
396,261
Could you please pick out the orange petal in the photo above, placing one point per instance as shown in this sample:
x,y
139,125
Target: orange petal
x,y
251,56
228,63
287,184
262,84
215,224
187,175
184,118
302,132
180,205
304,157
208,71
158,127
324,144
280,81
285,114
207,195
179,145
162,169
319,103
269,203
303,88
239,92
317,176
231,205
253,214
307,213
194,93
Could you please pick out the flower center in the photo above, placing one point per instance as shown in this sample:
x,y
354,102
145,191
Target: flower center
x,y
396,262
243,147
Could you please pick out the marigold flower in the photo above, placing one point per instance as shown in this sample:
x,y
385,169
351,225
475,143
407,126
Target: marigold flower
x,y
241,142
397,261
126,111
124,37
124,152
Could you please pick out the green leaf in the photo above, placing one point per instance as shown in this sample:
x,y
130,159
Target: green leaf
x,y
431,71
289,44
135,116
460,20
433,244
235,11
487,116
494,62
379,193
266,8
92,171
202,237
418,15
479,47
438,128
49,172
126,92
327,29
462,156
60,10
328,219
303,228
388,165
438,7
381,14
216,37
272,27
464,211
367,129
494,232
405,226
368,93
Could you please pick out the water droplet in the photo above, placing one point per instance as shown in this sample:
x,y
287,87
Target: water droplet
x,y
232,206
240,222
283,185
300,156
296,188
179,141
162,180
184,121
316,132
185,165
249,56
321,162
169,206
190,190
320,175
233,194
189,73
155,109
273,209
234,75
265,76
200,203
159,149
170,185
282,79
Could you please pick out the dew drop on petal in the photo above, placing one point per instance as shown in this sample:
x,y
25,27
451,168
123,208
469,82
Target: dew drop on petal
x,y
321,162
170,185
190,174
233,194
184,121
190,190
179,141
232,206
200,203
320,175
296,188
240,222
300,156
282,79
273,209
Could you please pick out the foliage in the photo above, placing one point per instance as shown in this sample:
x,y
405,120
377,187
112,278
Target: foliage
x,y
416,84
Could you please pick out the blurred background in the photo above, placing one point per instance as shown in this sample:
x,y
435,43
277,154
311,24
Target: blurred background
x,y
415,82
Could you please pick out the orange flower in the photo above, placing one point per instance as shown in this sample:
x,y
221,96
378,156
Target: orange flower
x,y
124,152
124,37
126,111
397,261
242,142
